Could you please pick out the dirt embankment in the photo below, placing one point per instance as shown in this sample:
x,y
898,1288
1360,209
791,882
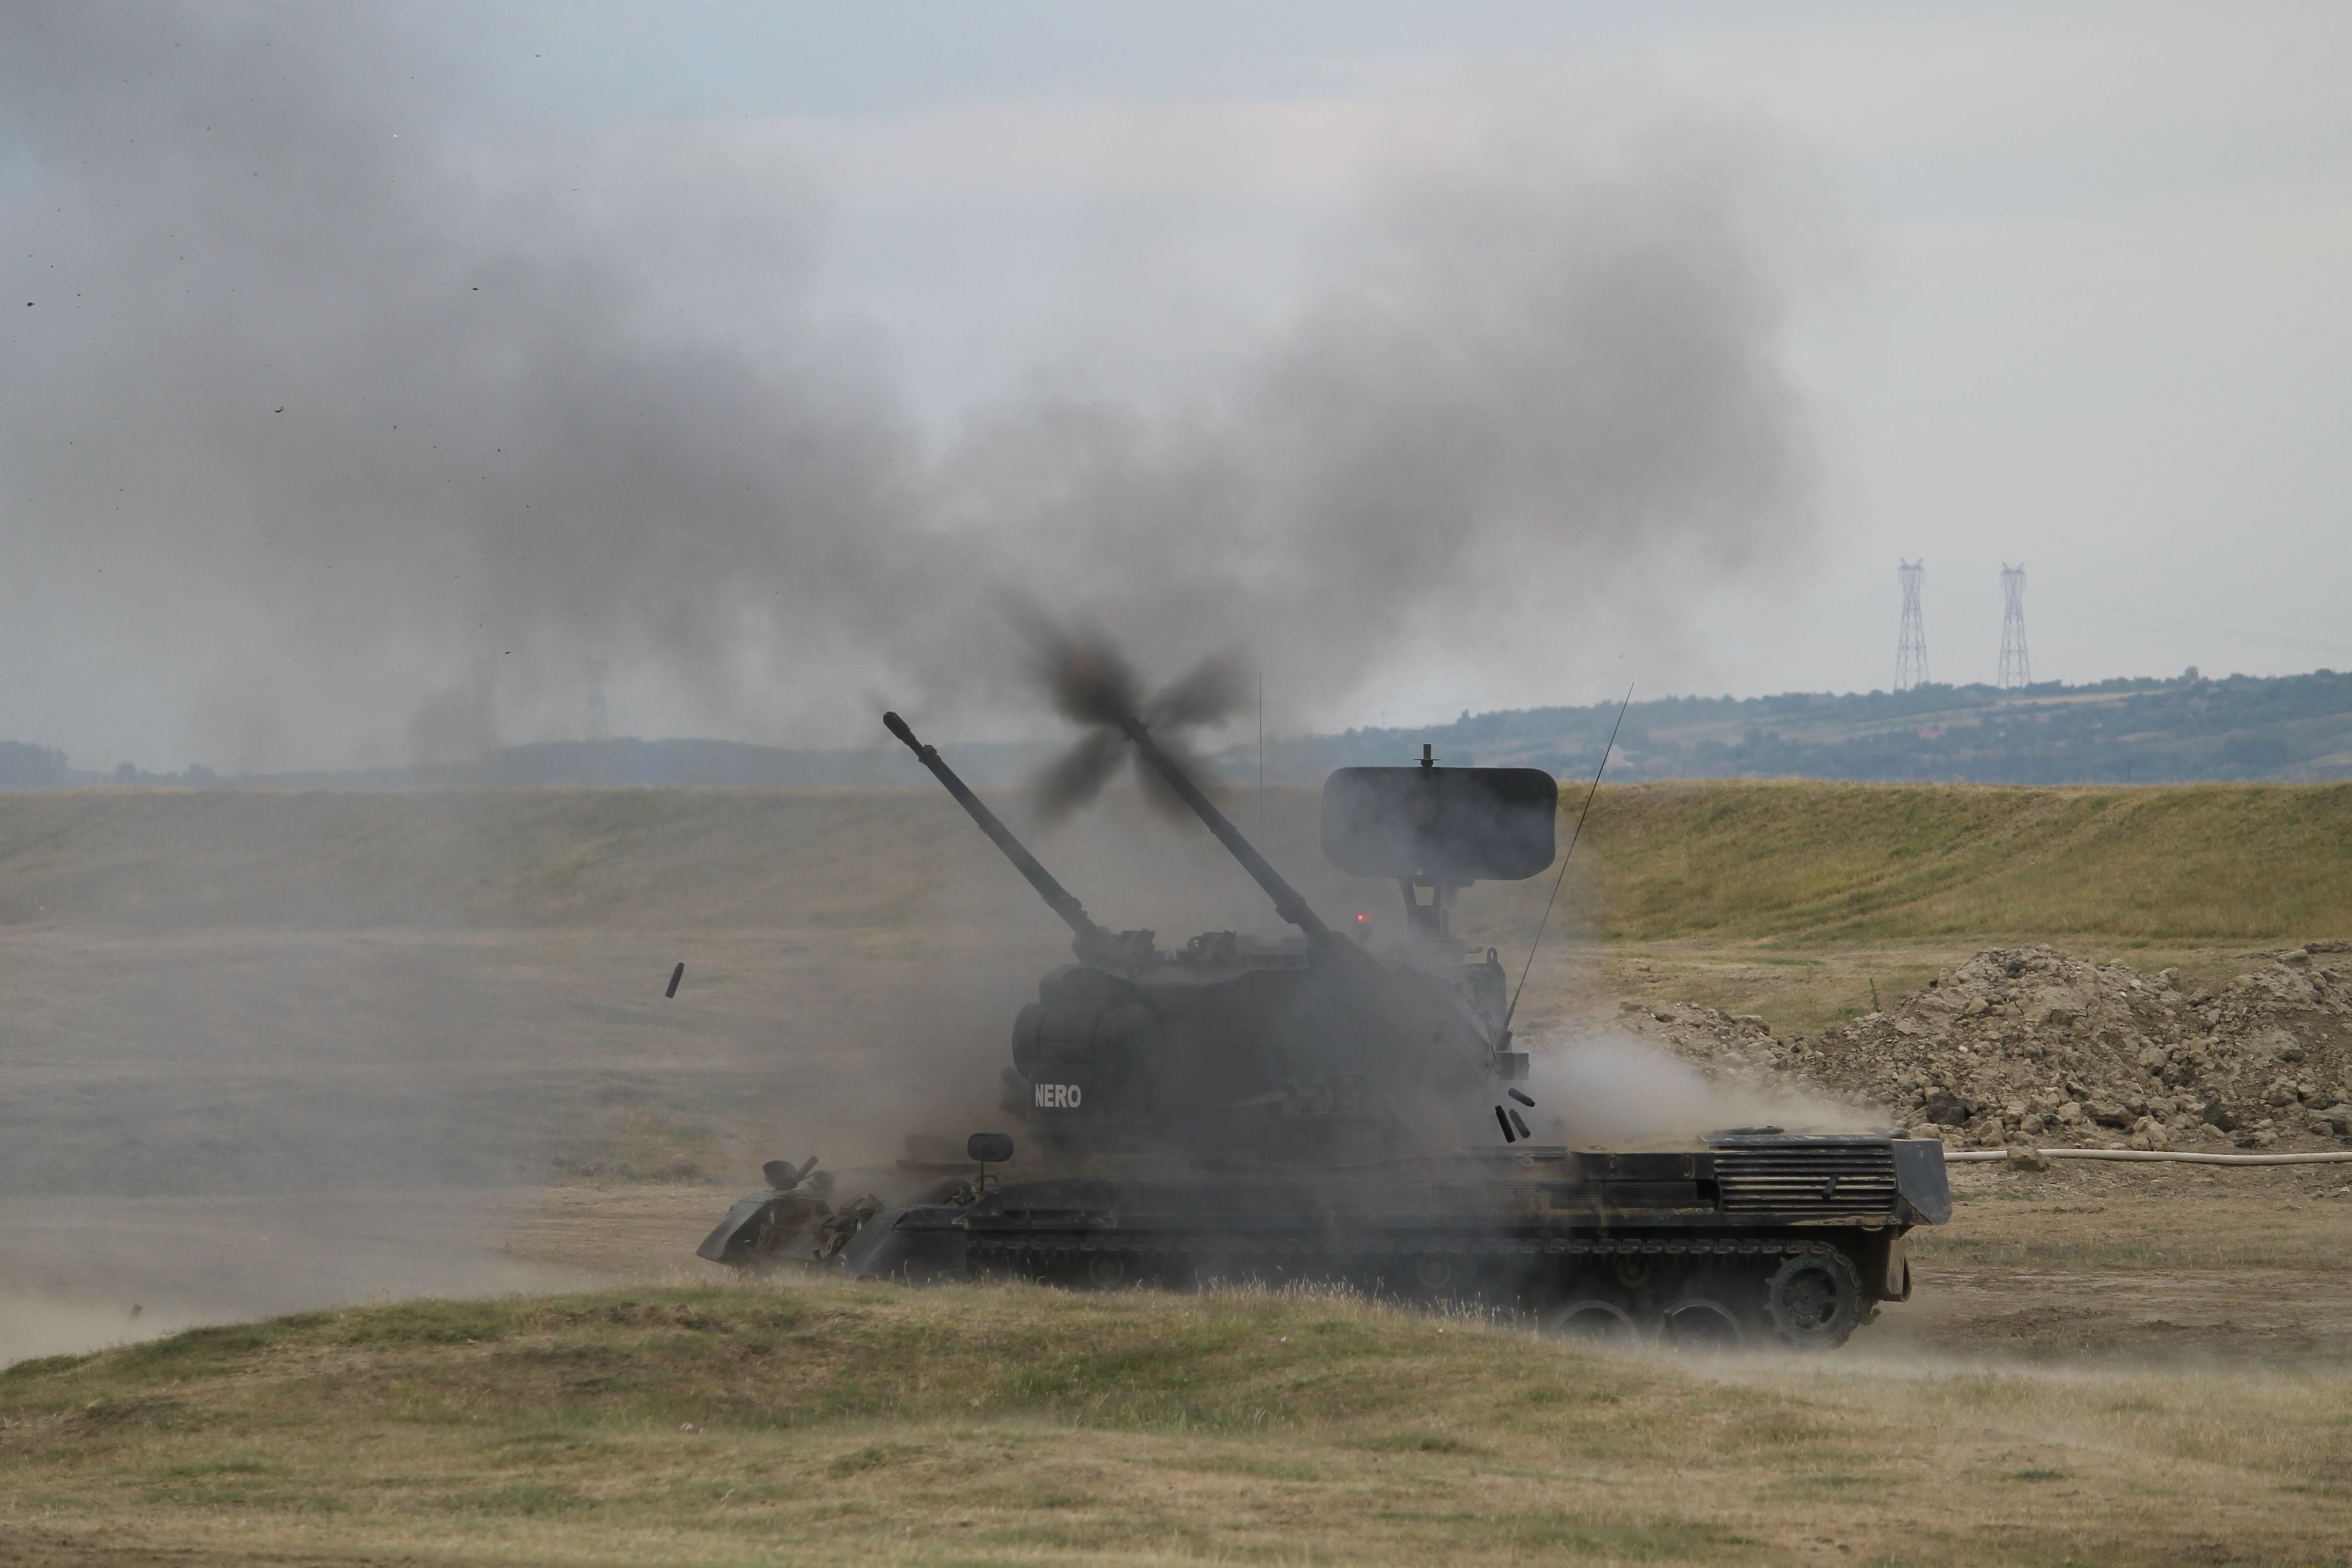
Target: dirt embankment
x,y
2029,1044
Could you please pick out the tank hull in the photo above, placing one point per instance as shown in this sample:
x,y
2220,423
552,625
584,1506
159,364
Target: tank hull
x,y
1783,1239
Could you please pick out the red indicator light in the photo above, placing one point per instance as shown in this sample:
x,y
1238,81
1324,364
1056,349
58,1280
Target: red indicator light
x,y
1363,919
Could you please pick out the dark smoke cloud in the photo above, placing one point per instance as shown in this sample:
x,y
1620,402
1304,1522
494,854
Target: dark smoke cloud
x,y
343,435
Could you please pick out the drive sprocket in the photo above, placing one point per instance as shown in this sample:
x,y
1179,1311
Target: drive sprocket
x,y
1814,1299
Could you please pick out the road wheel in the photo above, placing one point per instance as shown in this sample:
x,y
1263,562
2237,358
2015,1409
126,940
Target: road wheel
x,y
1591,1319
1700,1323
1814,1299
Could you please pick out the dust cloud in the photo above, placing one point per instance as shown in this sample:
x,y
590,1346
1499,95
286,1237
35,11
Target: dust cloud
x,y
88,1271
341,426
211,1122
1616,1093
345,427
35,1323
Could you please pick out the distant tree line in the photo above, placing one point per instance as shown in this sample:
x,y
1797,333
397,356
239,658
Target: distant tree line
x,y
24,766
2141,730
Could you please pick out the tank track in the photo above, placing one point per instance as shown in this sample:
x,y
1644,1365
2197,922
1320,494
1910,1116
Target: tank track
x,y
983,1253
1804,1292
1761,1237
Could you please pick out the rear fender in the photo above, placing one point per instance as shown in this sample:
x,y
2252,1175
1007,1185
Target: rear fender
x,y
1923,1195
1882,1256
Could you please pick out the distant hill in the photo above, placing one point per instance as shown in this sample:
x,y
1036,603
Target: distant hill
x,y
2293,729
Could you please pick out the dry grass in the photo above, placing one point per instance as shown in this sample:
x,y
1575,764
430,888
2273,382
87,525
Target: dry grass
x,y
1792,863
1830,863
863,1423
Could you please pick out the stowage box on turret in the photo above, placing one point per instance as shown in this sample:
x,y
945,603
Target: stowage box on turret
x,y
1302,1109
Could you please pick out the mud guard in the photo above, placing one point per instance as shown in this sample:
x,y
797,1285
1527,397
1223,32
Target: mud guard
x,y
736,1235
1896,1285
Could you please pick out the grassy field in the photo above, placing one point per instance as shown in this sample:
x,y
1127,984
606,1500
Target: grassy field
x,y
262,1052
1804,863
1793,864
994,1426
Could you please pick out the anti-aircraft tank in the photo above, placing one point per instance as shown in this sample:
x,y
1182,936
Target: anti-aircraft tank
x,y
1305,1110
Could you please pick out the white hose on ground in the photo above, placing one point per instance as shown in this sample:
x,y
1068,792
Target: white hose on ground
x,y
2172,1156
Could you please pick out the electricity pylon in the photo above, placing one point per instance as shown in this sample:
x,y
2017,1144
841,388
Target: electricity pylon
x,y
1911,642
2016,668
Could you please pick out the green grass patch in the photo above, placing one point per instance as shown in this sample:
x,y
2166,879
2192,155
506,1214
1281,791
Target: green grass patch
x,y
1807,862
857,1423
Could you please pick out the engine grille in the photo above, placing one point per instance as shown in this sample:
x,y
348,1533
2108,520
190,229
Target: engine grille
x,y
1833,1181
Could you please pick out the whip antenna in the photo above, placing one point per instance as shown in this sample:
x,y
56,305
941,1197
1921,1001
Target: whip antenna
x,y
1512,1011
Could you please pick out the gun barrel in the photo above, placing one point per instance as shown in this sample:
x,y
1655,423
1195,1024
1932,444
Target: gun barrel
x,y
1058,898
1288,902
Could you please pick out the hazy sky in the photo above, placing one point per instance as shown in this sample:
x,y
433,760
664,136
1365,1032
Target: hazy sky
x,y
1459,356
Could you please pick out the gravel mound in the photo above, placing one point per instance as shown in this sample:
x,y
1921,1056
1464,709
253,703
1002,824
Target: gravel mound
x,y
2029,1044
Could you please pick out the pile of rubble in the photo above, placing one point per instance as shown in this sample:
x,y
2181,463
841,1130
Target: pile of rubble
x,y
2027,1044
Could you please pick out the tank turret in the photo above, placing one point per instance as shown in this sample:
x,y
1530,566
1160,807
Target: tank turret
x,y
1234,1050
